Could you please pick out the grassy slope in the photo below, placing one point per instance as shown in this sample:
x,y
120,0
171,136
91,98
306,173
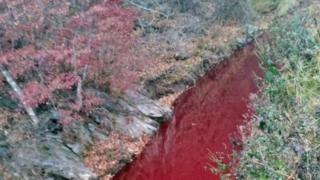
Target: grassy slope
x,y
285,138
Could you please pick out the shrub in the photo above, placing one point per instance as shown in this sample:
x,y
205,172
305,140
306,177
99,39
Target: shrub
x,y
285,139
236,11
56,52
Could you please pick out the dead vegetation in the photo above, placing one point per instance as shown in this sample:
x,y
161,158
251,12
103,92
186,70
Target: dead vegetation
x,y
107,157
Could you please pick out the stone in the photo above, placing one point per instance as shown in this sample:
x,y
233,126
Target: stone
x,y
252,31
150,110
182,56
4,146
149,107
96,133
7,102
317,111
47,157
76,148
77,137
136,126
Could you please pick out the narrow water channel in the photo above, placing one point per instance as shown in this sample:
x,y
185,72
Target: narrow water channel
x,y
206,118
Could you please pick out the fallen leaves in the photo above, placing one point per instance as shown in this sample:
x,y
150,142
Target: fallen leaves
x,y
107,157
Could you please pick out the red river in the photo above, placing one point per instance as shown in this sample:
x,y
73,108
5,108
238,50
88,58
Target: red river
x,y
206,119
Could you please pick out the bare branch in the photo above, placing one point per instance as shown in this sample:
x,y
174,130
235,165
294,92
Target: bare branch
x,y
18,91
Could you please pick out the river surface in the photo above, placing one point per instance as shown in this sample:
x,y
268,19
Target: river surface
x,y
206,119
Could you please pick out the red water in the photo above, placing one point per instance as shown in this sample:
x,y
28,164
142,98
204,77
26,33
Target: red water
x,y
206,117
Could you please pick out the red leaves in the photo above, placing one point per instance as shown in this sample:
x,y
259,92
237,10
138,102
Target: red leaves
x,y
85,58
63,81
35,94
107,156
68,116
96,44
19,61
91,100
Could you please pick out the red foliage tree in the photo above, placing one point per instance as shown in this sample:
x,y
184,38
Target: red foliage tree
x,y
54,54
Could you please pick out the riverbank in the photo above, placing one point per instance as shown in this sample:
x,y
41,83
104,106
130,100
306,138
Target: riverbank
x,y
284,140
183,48
205,120
181,44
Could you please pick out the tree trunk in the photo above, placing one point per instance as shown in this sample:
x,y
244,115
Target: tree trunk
x,y
18,91
79,88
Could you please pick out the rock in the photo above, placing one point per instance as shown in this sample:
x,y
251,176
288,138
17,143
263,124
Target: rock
x,y
206,64
242,41
252,31
2,137
54,126
150,110
149,107
182,56
188,80
239,43
7,102
132,114
4,146
96,133
169,82
47,157
76,148
317,111
77,135
136,126
4,151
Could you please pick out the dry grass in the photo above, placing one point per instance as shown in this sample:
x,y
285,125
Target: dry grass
x,y
4,116
5,174
107,157
167,101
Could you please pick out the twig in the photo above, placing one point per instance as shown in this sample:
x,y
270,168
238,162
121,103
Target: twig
x,y
294,172
271,169
147,9
18,91
79,88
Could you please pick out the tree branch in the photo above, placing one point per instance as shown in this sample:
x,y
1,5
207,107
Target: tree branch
x,y
79,88
147,9
18,91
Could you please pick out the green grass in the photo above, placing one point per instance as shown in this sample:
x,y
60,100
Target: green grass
x,y
285,138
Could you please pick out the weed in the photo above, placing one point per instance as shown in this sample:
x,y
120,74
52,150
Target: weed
x,y
285,138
